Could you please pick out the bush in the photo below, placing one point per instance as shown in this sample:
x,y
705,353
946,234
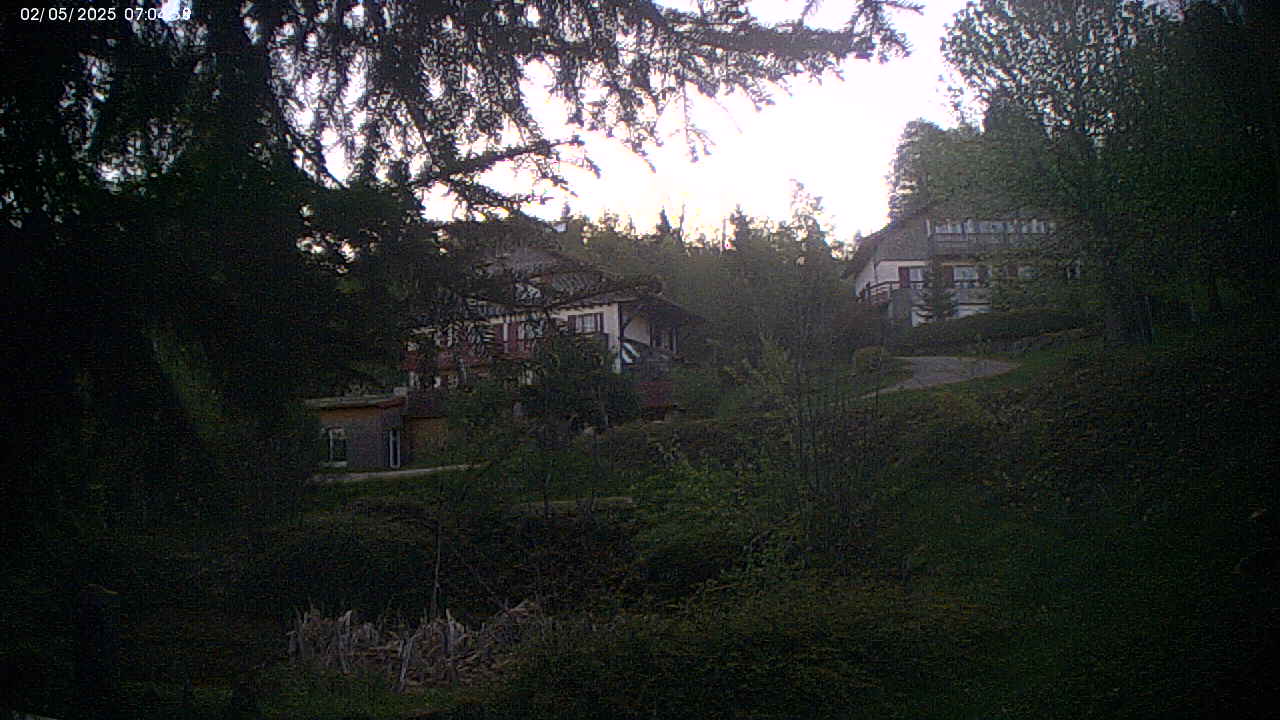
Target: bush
x,y
807,650
700,520
698,391
953,335
362,563
869,359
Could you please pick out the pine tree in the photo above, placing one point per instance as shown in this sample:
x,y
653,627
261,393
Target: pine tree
x,y
938,298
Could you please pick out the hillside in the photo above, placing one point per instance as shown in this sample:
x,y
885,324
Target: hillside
x,y
1060,541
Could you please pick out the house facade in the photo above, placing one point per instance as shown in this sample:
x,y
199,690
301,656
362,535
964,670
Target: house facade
x,y
890,267
641,330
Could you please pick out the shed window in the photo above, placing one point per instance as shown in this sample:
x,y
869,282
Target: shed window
x,y
335,440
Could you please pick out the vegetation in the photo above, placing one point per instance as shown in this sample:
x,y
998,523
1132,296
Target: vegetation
x,y
964,334
988,544
165,182
937,298
1121,121
1072,539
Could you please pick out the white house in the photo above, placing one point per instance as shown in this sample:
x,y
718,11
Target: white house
x,y
889,266
640,329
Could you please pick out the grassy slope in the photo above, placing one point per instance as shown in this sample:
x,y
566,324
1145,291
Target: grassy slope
x,y
1056,542
1061,540
1099,512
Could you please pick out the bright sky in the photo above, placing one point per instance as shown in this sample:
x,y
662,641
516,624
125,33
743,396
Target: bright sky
x,y
837,138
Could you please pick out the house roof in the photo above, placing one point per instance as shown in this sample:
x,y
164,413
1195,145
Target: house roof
x,y
573,284
344,402
663,310
901,239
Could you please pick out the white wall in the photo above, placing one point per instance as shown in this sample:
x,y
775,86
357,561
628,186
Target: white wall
x,y
878,272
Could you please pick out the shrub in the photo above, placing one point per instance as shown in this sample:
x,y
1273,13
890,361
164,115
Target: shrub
x,y
956,334
809,650
698,391
365,563
700,519
869,359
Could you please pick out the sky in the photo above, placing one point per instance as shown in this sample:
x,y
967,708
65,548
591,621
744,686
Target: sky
x,y
836,137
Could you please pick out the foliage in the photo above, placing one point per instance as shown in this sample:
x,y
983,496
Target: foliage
x,y
869,359
166,185
1122,122
1039,277
699,391
933,337
700,522
799,651
938,299
574,385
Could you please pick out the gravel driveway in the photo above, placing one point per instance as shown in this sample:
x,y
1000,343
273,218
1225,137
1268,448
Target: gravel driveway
x,y
930,371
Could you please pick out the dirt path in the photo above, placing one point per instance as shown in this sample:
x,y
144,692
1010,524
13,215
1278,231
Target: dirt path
x,y
344,478
931,371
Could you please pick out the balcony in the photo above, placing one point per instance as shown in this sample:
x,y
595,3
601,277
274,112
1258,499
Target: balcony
x,y
972,244
643,362
473,356
966,292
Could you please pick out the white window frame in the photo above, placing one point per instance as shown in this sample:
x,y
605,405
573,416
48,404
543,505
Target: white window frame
x,y
579,323
393,448
335,437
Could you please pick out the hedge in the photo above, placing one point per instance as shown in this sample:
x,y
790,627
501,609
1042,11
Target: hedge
x,y
984,327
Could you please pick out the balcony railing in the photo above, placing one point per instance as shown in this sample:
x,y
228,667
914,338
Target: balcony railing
x,y
518,349
978,243
882,292
645,362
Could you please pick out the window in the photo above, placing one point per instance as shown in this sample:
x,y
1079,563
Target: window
x,y
335,440
586,323
915,276
966,276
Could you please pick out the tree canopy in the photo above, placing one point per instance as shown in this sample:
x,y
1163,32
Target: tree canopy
x,y
1115,118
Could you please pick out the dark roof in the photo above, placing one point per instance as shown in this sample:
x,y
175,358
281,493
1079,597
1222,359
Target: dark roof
x,y
354,401
897,238
663,309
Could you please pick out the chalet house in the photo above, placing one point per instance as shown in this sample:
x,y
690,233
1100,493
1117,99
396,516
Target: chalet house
x,y
889,267
641,330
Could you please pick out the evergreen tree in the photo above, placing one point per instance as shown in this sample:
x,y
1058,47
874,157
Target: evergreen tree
x,y
938,299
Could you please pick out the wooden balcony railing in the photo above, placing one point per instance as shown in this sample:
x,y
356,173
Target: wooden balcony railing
x,y
645,362
518,349
881,292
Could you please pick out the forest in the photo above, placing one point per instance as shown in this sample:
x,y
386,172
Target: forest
x,y
212,218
